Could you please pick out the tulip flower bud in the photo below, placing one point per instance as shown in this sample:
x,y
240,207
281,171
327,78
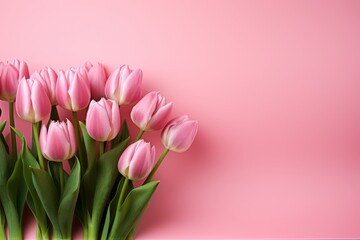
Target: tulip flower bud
x,y
48,78
73,89
97,80
151,112
32,104
58,143
9,81
124,85
103,120
22,68
137,160
179,134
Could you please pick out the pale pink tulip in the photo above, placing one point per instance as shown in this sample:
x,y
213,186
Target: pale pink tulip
x,y
97,79
103,120
48,78
9,81
179,134
58,143
73,89
137,160
151,112
124,85
32,104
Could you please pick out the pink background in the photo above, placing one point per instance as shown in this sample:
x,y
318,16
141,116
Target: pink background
x,y
275,86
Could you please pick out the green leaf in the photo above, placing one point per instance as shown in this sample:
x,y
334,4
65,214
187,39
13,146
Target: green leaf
x,y
89,178
6,166
124,134
9,202
132,209
2,223
16,188
68,201
29,163
110,214
47,192
33,145
107,174
90,145
2,127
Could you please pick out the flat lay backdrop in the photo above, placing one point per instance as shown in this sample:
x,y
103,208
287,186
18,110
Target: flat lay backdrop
x,y
275,86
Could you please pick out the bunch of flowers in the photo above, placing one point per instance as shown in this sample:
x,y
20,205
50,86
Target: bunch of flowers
x,y
82,168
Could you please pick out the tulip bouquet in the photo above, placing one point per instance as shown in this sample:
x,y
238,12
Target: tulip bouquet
x,y
83,168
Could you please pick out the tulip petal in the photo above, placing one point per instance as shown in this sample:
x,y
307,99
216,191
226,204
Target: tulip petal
x,y
40,102
158,120
182,136
62,95
43,138
97,79
79,93
57,147
112,86
97,122
143,110
23,102
131,88
9,81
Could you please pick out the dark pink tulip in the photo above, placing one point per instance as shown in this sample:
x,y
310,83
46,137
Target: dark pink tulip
x,y
179,134
58,143
151,112
32,103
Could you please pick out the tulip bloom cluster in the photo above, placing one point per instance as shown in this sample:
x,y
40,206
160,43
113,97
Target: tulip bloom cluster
x,y
84,164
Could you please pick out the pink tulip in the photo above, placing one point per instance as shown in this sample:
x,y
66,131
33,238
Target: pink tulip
x,y
48,78
73,89
151,112
58,143
179,134
137,160
97,79
32,104
9,81
124,85
22,68
103,120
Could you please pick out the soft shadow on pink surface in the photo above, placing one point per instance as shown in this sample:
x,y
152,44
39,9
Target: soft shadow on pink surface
x,y
176,175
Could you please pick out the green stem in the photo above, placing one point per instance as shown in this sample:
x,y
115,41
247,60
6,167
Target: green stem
x,y
37,143
101,148
79,142
117,217
2,232
61,177
141,132
42,232
12,124
152,173
2,223
122,194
